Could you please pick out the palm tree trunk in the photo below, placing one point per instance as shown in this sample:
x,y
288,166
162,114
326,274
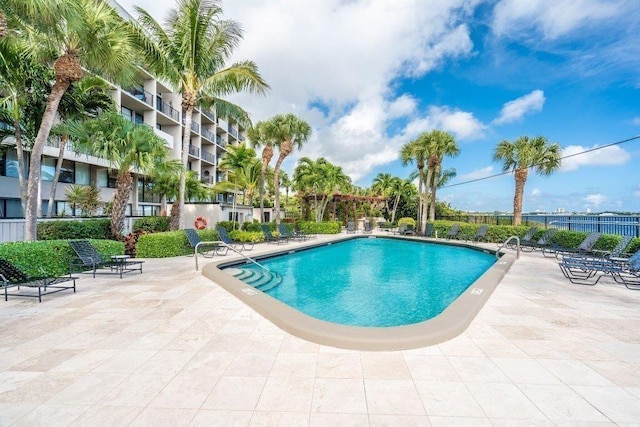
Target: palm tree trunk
x,y
267,154
427,197
188,118
276,185
20,155
434,186
56,175
4,28
120,199
521,179
31,213
395,208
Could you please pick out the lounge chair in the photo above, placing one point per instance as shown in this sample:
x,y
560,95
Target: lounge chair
x,y
367,228
584,248
12,276
284,231
223,235
617,252
480,234
207,249
400,230
589,271
454,231
351,227
410,230
88,258
428,231
543,242
269,237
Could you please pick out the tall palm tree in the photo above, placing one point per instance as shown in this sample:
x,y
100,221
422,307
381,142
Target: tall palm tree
x,y
166,182
74,36
285,182
287,131
416,151
191,52
381,186
441,144
399,187
518,156
259,138
126,146
237,157
320,178
86,99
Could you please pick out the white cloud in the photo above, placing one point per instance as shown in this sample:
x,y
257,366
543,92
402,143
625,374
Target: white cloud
x,y
535,192
519,107
636,121
476,174
608,156
636,193
553,18
344,57
462,124
595,199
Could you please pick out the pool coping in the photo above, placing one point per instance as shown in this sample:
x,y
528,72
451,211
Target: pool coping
x,y
450,323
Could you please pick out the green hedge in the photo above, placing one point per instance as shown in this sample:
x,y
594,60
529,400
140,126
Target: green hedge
x,y
74,229
406,221
152,224
252,226
52,256
247,236
169,244
326,227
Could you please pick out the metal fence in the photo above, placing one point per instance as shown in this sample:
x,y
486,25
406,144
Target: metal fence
x,y
608,224
12,230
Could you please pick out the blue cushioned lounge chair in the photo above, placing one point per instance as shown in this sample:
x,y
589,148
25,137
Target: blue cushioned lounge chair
x,y
238,246
584,248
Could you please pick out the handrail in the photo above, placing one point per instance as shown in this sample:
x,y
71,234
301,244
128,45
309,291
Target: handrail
x,y
219,242
505,244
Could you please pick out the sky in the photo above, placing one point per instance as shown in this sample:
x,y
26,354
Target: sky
x,y
371,75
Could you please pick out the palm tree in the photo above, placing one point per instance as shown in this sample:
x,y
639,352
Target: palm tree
x,y
191,53
86,99
287,131
74,35
416,151
126,146
322,178
381,186
237,157
286,182
166,182
520,155
441,144
258,138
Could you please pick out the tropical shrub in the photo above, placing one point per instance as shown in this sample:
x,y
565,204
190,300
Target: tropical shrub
x,y
326,227
88,229
247,236
152,224
229,225
252,226
51,257
169,244
406,221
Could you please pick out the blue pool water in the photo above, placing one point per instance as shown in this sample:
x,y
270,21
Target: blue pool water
x,y
375,282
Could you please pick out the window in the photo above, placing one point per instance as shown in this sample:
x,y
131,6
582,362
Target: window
x,y
48,169
158,126
102,178
13,209
64,209
230,198
83,174
138,119
126,113
10,164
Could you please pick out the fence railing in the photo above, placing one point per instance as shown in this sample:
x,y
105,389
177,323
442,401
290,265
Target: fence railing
x,y
607,224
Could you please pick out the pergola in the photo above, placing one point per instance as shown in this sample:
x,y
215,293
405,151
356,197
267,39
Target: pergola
x,y
346,199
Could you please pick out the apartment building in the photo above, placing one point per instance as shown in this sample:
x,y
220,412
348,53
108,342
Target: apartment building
x,y
151,103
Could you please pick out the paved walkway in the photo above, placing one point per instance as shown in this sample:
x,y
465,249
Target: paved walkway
x,y
169,347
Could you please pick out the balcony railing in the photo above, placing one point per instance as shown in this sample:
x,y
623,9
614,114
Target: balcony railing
x,y
142,95
240,137
209,135
233,132
167,109
221,142
209,114
209,157
194,126
194,151
207,179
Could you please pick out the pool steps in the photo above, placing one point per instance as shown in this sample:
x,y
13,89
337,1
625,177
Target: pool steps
x,y
262,280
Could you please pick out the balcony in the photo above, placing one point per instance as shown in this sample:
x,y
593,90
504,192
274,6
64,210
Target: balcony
x,y
207,180
233,132
194,126
209,114
194,151
208,135
209,157
241,137
221,142
141,94
167,110
167,138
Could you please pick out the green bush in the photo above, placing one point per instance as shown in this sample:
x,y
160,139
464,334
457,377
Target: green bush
x,y
152,224
247,236
169,244
634,246
73,229
252,226
51,256
385,225
406,221
326,227
229,225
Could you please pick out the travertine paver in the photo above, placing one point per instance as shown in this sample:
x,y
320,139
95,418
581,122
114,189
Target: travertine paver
x,y
169,347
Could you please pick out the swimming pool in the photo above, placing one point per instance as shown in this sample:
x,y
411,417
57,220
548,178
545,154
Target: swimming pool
x,y
452,321
374,282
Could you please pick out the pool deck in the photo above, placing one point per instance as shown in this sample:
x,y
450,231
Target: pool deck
x,y
170,347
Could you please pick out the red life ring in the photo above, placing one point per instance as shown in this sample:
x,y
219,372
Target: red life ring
x,y
201,223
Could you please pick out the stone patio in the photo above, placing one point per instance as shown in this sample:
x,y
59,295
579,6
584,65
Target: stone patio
x,y
169,347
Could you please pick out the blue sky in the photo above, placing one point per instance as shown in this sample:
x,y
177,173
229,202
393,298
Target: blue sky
x,y
370,76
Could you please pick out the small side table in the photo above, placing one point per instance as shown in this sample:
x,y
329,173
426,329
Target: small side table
x,y
120,263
